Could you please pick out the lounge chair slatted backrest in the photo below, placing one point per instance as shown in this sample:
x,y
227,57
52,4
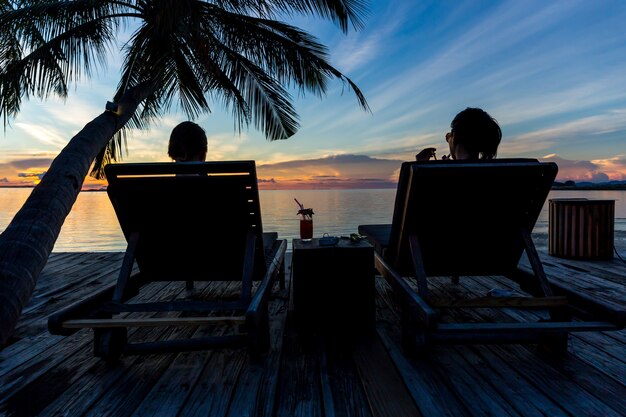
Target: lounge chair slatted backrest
x,y
187,215
468,216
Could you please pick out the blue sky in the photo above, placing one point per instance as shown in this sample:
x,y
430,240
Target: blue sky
x,y
553,73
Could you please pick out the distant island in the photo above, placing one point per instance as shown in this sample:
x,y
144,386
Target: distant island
x,y
572,185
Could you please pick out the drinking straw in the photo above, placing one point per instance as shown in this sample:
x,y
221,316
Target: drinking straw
x,y
301,206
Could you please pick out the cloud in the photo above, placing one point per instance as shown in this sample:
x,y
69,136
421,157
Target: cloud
x,y
333,171
24,171
355,52
25,163
579,131
599,177
4,180
615,167
32,175
360,171
46,135
594,171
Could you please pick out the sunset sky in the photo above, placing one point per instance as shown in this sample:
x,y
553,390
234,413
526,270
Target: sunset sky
x,y
553,73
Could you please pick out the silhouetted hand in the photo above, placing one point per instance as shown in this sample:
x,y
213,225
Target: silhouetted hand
x,y
425,154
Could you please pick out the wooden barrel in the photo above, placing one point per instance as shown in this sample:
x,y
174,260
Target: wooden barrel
x,y
581,228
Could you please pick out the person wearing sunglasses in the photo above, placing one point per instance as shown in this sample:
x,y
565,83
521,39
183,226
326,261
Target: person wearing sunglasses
x,y
474,135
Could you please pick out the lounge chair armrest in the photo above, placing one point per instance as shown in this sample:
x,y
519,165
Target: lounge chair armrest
x,y
259,300
261,295
407,295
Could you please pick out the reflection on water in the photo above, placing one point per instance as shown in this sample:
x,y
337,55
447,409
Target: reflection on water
x,y
92,224
337,212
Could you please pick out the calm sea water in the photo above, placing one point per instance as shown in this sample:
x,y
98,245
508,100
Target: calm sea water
x,y
92,224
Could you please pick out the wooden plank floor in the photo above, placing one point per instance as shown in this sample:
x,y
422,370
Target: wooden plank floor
x,y
47,375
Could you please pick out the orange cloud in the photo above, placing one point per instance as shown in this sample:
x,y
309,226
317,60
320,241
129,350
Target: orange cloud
x,y
33,174
600,170
28,172
614,168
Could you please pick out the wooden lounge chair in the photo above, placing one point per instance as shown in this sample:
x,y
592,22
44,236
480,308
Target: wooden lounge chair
x,y
458,218
184,222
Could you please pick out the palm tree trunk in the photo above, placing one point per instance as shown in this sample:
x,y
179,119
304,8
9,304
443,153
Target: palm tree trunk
x,y
27,242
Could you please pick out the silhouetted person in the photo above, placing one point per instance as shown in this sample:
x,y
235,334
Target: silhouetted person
x,y
474,135
188,142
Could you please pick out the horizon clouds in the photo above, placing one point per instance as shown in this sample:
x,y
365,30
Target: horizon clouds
x,y
336,172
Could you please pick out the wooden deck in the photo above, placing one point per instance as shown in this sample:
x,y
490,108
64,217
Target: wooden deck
x,y
46,375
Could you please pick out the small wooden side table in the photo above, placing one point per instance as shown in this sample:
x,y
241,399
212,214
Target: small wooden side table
x,y
581,228
333,287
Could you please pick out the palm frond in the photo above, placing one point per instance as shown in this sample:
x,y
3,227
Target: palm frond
x,y
341,12
235,52
54,49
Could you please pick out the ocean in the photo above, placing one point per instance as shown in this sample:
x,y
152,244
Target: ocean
x,y
93,226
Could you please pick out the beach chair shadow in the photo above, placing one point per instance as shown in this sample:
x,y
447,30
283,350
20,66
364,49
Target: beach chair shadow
x,y
186,222
458,219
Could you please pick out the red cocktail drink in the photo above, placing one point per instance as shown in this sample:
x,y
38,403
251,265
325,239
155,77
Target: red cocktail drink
x,y
306,229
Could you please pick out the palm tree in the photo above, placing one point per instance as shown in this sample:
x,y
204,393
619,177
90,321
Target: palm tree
x,y
186,52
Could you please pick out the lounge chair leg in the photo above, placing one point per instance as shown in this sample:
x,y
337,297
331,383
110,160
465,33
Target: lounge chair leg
x,y
109,343
554,344
260,344
455,279
189,285
414,342
281,277
409,332
560,314
420,342
264,333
